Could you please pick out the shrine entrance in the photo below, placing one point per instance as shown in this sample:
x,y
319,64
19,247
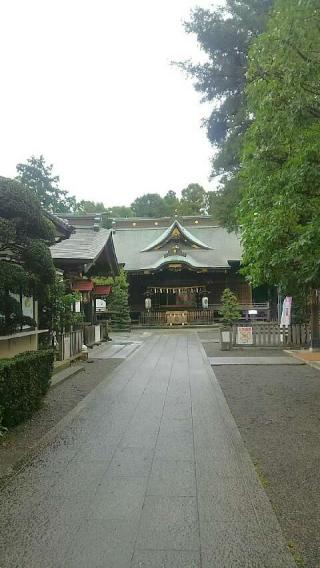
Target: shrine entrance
x,y
176,297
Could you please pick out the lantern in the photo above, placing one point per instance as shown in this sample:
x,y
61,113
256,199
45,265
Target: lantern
x,y
147,303
205,303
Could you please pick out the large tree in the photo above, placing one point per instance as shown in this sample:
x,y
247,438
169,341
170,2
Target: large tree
x,y
87,206
120,211
280,208
193,200
171,202
225,34
25,260
38,177
149,205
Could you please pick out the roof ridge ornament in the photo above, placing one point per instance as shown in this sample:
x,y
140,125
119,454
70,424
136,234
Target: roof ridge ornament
x,y
176,229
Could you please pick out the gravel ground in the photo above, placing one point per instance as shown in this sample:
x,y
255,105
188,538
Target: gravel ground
x,y
56,404
277,409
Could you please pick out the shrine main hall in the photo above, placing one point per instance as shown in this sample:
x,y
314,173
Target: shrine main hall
x,y
177,268
176,263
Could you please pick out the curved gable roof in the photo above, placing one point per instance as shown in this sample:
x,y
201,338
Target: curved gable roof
x,y
165,236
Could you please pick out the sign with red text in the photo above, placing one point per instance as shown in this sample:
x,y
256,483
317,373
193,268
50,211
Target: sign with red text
x,y
244,336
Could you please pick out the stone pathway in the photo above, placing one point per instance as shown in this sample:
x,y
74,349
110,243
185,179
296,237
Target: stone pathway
x,y
268,360
151,473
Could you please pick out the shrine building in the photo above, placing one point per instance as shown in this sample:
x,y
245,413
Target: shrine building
x,y
177,263
177,268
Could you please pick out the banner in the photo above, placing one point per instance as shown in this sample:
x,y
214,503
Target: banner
x,y
286,312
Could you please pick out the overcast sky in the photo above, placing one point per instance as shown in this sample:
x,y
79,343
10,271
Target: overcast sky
x,y
89,85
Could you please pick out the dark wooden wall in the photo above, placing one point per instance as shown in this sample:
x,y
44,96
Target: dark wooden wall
x,y
215,283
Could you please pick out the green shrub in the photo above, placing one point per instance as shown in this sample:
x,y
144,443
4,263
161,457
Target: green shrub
x,y
230,311
24,380
118,303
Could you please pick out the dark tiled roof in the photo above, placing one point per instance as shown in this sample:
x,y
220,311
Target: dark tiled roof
x,y
84,244
131,244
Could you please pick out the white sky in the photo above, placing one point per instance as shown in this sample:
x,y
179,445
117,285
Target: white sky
x,y
89,85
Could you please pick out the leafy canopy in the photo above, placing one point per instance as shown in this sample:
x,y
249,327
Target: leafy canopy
x,y
193,200
37,176
224,34
25,260
280,208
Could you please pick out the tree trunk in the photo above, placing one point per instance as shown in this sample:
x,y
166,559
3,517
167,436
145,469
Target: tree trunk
x,y
315,323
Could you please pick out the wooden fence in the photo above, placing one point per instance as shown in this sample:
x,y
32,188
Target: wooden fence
x,y
275,335
199,316
69,344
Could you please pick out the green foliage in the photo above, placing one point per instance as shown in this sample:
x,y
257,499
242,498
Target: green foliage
x,y
193,200
25,262
148,205
37,176
171,202
223,203
87,206
118,303
13,277
24,380
61,303
38,263
11,316
230,307
224,34
103,280
280,208
21,215
120,211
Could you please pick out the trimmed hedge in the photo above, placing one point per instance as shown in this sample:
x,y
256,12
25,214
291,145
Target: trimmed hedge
x,y
24,380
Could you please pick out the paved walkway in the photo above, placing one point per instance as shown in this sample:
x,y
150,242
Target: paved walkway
x,y
151,473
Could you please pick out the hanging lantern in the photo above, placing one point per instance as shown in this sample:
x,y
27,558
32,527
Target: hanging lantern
x,y
205,302
147,303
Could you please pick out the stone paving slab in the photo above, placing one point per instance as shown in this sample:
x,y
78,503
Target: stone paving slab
x,y
254,361
115,351
151,473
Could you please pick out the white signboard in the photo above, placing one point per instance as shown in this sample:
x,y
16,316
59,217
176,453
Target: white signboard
x,y
226,336
27,306
244,336
97,337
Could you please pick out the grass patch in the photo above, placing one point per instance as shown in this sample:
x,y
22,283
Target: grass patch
x,y
262,478
296,554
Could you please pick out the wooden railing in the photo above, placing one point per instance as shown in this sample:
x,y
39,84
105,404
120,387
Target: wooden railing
x,y
273,335
153,318
200,316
